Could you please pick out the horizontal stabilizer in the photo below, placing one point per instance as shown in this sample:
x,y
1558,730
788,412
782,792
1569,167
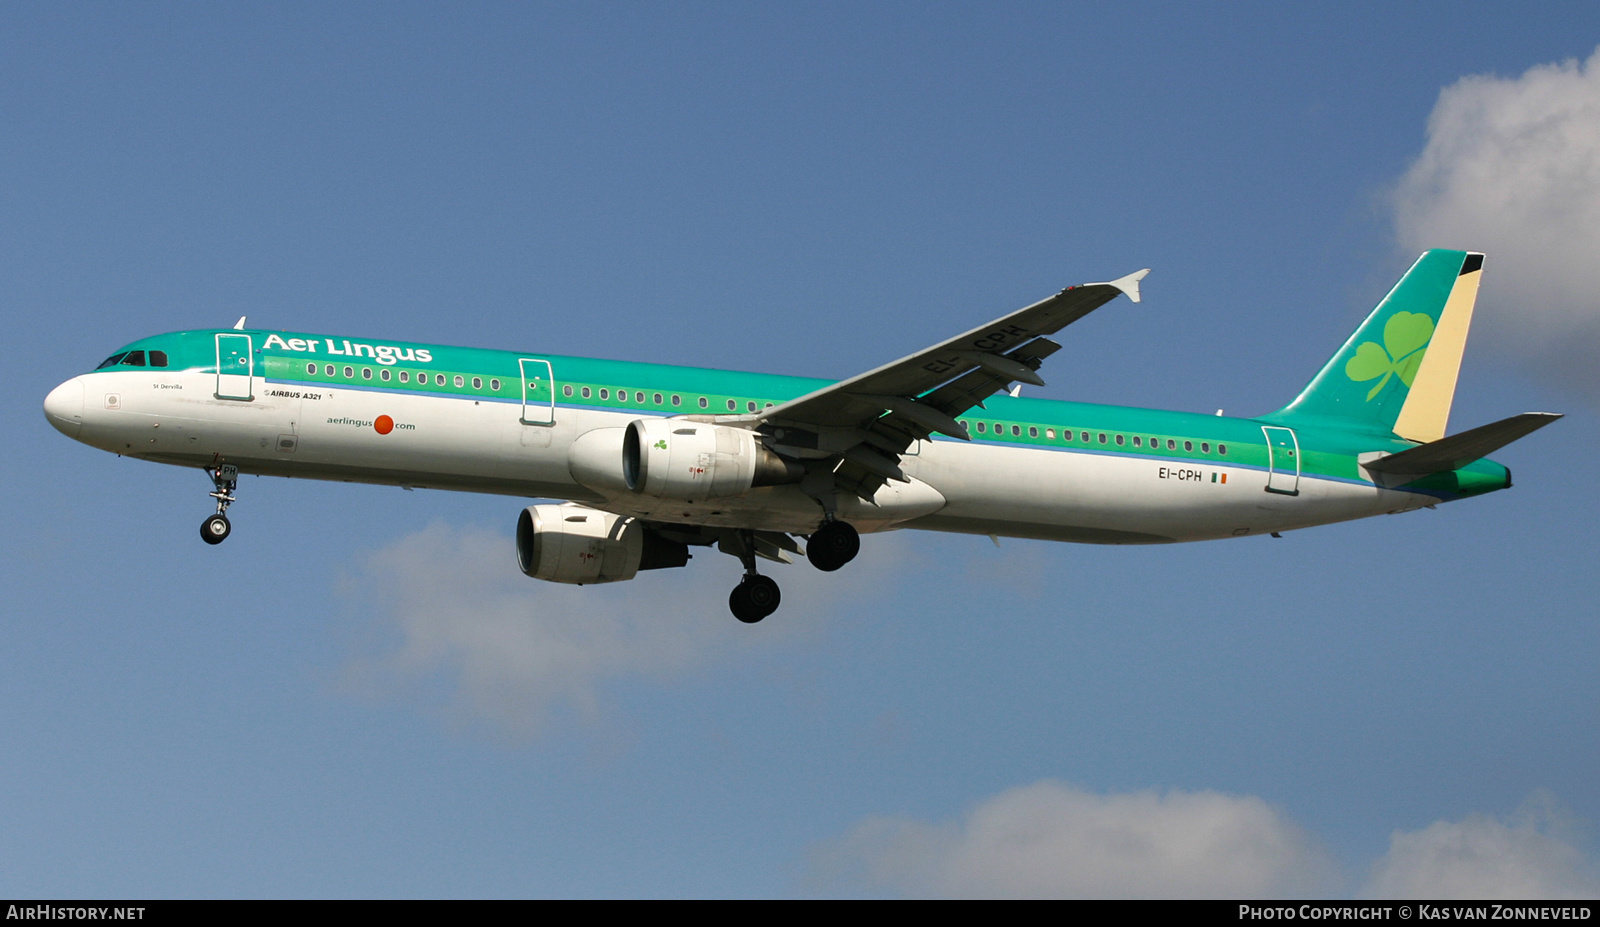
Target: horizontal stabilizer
x,y
1457,451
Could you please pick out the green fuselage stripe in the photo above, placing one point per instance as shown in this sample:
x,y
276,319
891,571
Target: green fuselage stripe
x,y
1215,441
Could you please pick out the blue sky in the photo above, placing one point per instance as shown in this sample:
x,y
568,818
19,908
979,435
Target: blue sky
x,y
358,695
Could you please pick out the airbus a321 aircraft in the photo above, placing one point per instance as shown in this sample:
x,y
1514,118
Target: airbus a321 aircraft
x,y
653,460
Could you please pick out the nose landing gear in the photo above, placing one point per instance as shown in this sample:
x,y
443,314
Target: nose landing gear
x,y
215,529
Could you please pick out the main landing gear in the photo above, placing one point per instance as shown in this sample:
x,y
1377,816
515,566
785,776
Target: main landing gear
x,y
833,545
756,596
215,530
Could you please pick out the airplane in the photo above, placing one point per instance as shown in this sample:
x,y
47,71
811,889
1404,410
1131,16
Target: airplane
x,y
648,461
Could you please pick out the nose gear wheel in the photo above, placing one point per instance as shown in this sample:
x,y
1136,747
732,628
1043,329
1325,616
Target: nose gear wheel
x,y
216,528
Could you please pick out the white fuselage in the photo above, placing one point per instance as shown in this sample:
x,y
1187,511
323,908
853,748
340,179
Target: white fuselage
x,y
482,445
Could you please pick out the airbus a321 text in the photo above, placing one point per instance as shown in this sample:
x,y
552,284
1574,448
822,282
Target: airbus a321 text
x,y
650,461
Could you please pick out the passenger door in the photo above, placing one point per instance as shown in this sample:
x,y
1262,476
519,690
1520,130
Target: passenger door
x,y
538,392
1283,460
235,367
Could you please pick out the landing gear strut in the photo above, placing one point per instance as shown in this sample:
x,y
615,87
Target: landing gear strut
x,y
833,545
215,529
756,596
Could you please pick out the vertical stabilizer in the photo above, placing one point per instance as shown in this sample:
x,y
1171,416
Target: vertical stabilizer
x,y
1397,373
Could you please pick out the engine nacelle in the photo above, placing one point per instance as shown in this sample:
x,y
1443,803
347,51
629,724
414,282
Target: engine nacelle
x,y
695,461
571,543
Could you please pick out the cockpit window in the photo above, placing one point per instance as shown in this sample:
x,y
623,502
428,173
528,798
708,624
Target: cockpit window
x,y
158,358
133,359
112,361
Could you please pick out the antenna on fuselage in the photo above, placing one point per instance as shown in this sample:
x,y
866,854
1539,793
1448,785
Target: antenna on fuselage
x,y
239,325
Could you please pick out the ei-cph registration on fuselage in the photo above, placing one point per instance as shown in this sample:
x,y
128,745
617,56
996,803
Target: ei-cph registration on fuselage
x,y
652,460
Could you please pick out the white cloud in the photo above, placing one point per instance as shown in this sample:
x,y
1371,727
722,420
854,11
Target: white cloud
x,y
1531,855
1052,840
1512,168
458,624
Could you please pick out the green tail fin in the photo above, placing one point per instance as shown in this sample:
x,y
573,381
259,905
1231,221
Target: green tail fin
x,y
1397,373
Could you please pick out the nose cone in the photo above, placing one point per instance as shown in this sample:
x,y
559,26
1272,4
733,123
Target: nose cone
x,y
64,407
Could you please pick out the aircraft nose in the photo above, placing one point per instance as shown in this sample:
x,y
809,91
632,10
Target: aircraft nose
x,y
64,407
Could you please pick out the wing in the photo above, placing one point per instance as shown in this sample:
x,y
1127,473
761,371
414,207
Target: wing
x,y
859,427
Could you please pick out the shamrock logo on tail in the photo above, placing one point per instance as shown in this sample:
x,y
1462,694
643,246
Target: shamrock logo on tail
x,y
1405,338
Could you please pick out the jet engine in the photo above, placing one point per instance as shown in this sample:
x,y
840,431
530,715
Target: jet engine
x,y
695,461
571,543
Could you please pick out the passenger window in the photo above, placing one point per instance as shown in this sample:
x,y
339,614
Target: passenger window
x,y
477,382
1172,445
349,373
385,374
981,428
1135,440
675,399
1084,436
566,390
1188,445
703,402
1102,437
158,358
1119,440
1222,449
1033,432
311,369
639,398
751,406
328,371
657,398
405,377
1050,435
366,373
605,393
1205,447
733,406
1016,431
494,386
459,383
133,359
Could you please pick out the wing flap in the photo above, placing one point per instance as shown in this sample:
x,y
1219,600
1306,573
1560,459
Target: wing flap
x,y
972,388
